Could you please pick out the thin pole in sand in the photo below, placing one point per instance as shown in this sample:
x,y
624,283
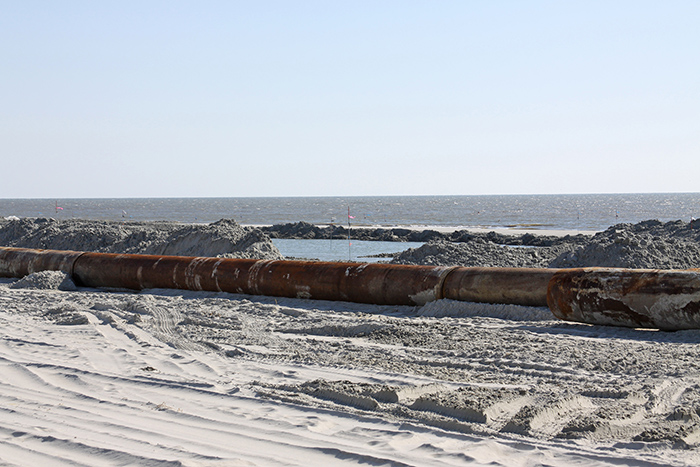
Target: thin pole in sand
x,y
330,245
578,217
349,242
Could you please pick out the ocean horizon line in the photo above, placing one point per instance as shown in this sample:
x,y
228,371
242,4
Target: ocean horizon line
x,y
39,198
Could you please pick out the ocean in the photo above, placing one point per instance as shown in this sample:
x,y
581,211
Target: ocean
x,y
585,212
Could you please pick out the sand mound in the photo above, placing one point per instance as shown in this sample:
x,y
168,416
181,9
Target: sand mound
x,y
479,253
649,244
45,280
224,238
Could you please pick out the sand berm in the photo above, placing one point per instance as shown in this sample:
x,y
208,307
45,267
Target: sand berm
x,y
649,244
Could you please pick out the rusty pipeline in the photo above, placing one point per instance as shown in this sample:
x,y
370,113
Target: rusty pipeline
x,y
660,299
640,298
382,284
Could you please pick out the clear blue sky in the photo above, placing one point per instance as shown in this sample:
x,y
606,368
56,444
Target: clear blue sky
x,y
312,98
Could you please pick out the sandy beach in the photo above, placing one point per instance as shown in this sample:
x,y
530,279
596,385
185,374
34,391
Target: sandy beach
x,y
171,377
165,377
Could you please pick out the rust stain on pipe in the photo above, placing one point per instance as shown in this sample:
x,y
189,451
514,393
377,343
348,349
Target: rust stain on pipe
x,y
518,286
648,298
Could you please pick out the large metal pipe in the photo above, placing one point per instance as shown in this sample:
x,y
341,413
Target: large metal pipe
x,y
640,298
355,282
381,284
623,297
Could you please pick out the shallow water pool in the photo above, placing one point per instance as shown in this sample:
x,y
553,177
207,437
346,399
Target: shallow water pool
x,y
340,249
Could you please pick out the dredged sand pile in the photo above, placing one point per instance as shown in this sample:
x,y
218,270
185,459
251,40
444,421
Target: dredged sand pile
x,y
647,245
224,238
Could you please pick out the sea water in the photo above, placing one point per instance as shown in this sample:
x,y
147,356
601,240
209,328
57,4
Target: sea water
x,y
558,212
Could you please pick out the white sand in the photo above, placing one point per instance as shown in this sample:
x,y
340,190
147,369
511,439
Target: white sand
x,y
200,379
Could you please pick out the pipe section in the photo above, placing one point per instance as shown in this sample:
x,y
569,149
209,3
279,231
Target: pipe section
x,y
18,262
381,284
517,286
638,298
162,272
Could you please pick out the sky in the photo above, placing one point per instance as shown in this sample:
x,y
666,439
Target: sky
x,y
172,98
